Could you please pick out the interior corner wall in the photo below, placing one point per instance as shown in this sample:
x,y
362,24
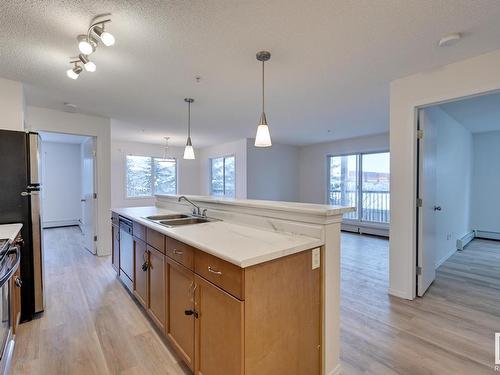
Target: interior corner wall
x,y
11,105
454,159
188,172
485,213
454,81
272,173
61,180
43,119
313,163
238,149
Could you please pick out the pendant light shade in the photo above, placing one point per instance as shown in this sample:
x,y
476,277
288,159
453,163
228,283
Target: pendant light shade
x,y
263,137
189,151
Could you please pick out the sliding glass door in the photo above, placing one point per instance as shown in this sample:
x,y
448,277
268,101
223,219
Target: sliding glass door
x,y
361,181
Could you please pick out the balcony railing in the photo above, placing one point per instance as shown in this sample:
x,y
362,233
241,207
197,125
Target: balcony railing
x,y
375,205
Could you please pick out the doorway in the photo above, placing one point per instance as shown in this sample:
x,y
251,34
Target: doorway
x,y
458,180
68,184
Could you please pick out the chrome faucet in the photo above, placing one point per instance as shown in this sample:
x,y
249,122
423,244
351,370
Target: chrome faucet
x,y
196,209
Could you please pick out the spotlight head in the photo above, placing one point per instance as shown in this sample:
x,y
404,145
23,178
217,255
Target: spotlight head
x,y
86,45
88,65
74,73
106,38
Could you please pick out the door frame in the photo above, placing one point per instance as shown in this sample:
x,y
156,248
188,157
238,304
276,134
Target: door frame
x,y
95,216
419,217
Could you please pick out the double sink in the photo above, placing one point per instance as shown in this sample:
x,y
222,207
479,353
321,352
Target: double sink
x,y
176,220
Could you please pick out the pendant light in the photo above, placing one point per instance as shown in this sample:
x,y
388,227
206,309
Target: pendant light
x,y
189,151
165,151
263,138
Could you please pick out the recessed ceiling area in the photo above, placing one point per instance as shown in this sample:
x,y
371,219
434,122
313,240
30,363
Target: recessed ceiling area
x,y
478,114
331,63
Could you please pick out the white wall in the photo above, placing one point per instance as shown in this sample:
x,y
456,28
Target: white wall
x,y
485,215
11,105
313,163
188,173
469,77
239,150
42,119
454,154
61,181
273,173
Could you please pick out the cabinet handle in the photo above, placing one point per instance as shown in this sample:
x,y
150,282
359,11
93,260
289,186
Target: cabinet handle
x,y
178,252
210,269
19,282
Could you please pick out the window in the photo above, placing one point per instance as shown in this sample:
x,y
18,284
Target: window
x,y
147,176
362,181
222,176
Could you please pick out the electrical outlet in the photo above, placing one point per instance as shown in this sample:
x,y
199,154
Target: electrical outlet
x,y
316,258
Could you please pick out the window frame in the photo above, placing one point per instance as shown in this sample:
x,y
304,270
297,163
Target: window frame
x,y
359,185
210,179
153,176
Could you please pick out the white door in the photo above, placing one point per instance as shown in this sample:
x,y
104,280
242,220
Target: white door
x,y
88,195
426,250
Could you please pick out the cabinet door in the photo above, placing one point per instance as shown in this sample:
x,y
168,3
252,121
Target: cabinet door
x,y
140,273
157,295
115,248
180,326
219,331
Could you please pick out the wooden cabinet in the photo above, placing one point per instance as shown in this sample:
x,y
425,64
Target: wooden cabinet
x,y
115,247
219,331
16,284
181,310
157,294
223,319
141,265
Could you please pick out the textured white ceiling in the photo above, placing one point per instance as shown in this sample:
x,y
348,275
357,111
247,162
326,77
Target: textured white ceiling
x,y
478,114
331,61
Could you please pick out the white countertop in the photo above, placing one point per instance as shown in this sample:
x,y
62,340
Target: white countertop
x,y
9,231
297,207
241,245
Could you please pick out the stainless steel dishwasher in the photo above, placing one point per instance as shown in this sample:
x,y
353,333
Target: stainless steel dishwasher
x,y
126,252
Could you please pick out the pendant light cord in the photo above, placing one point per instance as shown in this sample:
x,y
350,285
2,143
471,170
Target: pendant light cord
x,y
263,87
189,119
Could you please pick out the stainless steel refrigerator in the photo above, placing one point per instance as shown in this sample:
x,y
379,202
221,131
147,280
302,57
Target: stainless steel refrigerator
x,y
20,202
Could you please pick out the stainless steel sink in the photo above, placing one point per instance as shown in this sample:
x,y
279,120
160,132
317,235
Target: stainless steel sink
x,y
175,220
166,217
186,221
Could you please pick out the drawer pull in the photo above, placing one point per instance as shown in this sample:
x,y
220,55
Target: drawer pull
x,y
210,269
178,252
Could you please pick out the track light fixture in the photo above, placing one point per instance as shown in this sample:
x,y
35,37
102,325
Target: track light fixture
x,y
87,44
74,72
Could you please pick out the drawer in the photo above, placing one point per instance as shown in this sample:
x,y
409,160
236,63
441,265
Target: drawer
x,y
180,252
139,231
155,239
225,275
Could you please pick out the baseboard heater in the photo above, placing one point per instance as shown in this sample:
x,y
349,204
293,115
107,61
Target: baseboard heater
x,y
362,229
487,235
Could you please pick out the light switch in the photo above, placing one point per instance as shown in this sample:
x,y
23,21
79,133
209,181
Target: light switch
x,y
316,258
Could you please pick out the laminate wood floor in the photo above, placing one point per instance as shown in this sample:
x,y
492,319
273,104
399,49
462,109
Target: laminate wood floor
x,y
450,330
92,326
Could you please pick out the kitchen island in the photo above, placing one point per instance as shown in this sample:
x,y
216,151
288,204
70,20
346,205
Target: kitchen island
x,y
253,290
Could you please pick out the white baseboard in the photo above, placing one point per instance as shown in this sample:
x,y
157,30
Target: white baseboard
x,y
445,257
335,371
365,228
60,223
400,294
465,239
487,235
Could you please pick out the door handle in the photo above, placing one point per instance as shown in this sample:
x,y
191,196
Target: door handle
x,y
84,200
437,208
25,194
